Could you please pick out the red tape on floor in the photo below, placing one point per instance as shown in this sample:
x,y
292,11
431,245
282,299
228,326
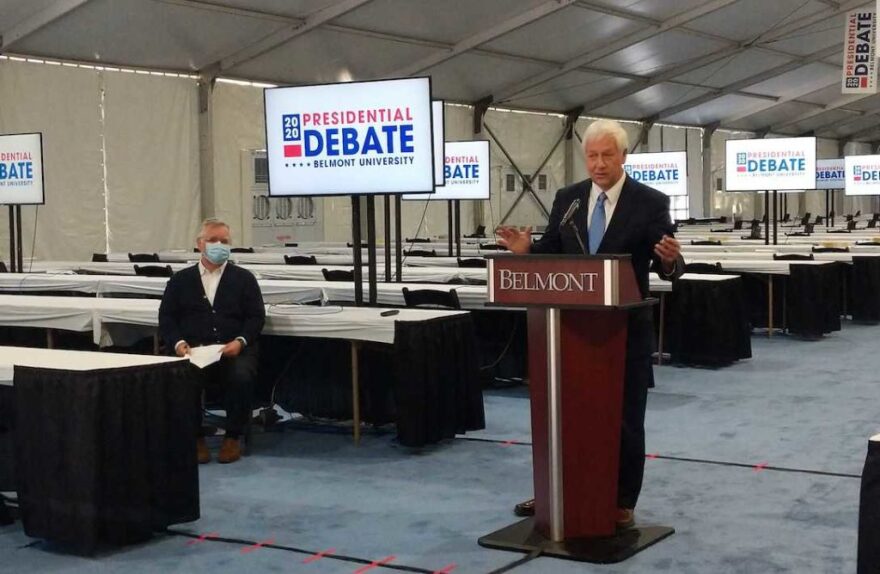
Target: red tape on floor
x,y
202,538
652,456
375,564
257,546
319,555
760,466
447,569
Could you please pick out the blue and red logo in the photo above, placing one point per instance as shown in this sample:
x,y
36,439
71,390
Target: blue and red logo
x,y
866,173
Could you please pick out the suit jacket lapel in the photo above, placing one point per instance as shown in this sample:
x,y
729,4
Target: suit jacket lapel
x,y
611,241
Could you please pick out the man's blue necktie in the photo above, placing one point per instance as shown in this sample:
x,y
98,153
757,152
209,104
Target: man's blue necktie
x,y
597,224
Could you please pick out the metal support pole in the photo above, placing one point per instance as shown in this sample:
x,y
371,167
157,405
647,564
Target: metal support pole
x,y
18,240
355,393
767,218
457,228
371,249
827,206
387,217
775,216
398,247
12,260
356,250
449,221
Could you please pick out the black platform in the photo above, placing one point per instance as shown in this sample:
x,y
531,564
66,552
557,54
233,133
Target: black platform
x,y
522,537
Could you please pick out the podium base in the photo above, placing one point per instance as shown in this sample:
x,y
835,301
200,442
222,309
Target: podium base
x,y
522,537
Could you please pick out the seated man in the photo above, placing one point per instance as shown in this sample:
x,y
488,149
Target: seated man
x,y
215,302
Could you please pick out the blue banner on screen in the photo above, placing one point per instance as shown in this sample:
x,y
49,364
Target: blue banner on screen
x,y
664,171
351,138
770,164
830,173
467,172
862,174
21,169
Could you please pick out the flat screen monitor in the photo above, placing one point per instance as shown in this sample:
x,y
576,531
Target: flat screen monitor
x,y
664,171
351,138
467,172
770,164
862,174
21,169
439,119
830,173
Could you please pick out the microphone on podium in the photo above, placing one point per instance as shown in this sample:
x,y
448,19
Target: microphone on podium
x,y
567,220
568,214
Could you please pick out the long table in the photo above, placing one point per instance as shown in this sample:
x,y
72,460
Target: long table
x,y
105,443
439,273
424,342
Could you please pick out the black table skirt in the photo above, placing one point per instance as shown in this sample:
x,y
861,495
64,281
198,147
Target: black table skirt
x,y
427,383
863,281
707,323
808,302
869,513
105,456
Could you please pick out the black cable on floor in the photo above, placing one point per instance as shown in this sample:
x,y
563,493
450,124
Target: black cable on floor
x,y
517,563
340,557
694,460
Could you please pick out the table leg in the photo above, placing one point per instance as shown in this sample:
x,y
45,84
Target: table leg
x,y
660,333
156,344
770,306
50,339
355,393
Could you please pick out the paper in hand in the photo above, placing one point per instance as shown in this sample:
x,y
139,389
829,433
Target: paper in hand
x,y
204,356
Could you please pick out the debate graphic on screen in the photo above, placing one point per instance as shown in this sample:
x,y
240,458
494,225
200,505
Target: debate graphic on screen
x,y
664,171
467,172
770,164
21,169
351,138
830,173
862,175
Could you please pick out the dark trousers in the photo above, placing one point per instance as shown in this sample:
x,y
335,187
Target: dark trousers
x,y
869,513
233,378
637,379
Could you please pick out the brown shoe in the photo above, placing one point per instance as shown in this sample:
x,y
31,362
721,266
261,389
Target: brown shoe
x,y
626,518
230,451
204,455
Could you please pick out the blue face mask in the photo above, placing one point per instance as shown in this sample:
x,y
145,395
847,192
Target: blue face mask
x,y
217,253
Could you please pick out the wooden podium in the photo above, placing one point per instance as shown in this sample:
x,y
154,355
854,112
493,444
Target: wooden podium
x,y
577,325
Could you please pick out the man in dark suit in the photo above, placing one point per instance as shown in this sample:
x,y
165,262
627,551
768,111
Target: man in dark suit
x,y
621,216
215,302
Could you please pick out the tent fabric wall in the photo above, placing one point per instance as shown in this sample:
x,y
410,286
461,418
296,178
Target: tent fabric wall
x,y
65,105
151,135
528,138
239,124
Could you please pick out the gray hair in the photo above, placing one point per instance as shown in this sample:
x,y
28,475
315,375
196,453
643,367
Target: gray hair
x,y
210,223
604,128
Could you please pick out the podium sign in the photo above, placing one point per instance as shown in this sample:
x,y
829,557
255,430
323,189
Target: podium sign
x,y
577,330
562,281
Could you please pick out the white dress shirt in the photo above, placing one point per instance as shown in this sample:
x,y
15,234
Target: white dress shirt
x,y
612,195
210,280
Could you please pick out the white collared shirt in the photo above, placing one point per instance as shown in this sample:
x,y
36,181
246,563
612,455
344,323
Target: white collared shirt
x,y
210,280
612,195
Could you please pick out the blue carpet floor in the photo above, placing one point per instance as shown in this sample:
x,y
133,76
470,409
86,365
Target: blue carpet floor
x,y
794,421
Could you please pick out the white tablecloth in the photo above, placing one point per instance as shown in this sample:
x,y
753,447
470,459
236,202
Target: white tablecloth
x,y
70,360
112,319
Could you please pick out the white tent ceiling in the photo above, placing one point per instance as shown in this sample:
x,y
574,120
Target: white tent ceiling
x,y
757,65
